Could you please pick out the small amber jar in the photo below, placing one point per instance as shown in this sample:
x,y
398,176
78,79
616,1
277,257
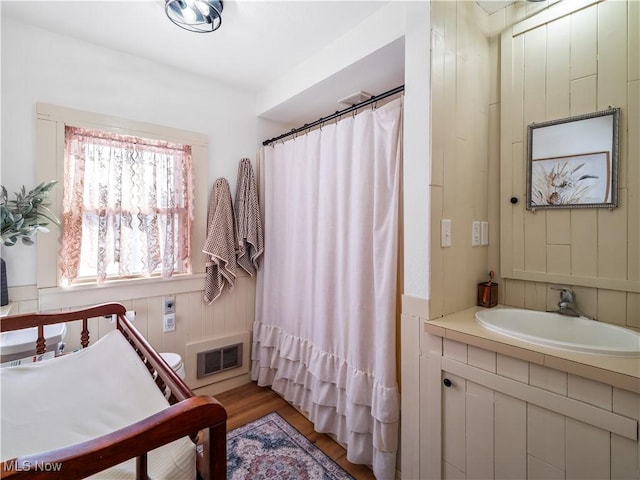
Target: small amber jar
x,y
487,294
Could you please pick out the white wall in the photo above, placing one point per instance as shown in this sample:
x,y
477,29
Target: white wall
x,y
40,66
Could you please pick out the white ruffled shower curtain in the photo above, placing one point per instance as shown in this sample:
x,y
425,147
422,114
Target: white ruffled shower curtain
x,y
324,335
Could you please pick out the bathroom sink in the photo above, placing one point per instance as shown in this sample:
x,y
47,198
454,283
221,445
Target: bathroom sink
x,y
23,341
576,334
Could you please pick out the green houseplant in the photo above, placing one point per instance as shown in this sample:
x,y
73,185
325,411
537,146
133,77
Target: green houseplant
x,y
25,215
21,218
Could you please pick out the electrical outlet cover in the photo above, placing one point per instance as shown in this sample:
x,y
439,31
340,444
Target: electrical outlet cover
x,y
169,322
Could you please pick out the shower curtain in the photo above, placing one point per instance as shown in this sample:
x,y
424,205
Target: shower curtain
x,y
324,335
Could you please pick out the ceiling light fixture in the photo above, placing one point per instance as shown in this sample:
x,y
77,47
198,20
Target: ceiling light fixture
x,y
195,15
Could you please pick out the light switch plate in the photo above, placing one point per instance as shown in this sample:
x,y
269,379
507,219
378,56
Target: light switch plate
x,y
475,234
484,233
169,304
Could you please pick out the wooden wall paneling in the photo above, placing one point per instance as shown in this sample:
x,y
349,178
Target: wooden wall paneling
x,y
535,55
479,406
453,422
169,340
449,472
613,240
450,82
221,308
228,307
506,157
558,71
515,292
518,89
436,267
493,186
589,391
535,75
586,299
154,321
546,436
535,237
518,210
558,227
430,418
535,296
251,305
245,304
183,312
463,124
633,40
584,242
633,309
583,95
438,105
196,315
139,305
625,458
413,363
612,54
105,326
559,259
587,451
612,306
510,426
584,48
558,94
541,470
633,176
208,319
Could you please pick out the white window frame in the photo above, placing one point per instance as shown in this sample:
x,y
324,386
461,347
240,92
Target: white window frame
x,y
50,129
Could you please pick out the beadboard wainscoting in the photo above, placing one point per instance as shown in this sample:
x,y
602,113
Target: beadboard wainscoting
x,y
230,315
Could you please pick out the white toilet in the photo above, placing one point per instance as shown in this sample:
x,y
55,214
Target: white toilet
x,y
175,362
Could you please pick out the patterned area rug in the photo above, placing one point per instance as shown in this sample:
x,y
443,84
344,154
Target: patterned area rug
x,y
270,448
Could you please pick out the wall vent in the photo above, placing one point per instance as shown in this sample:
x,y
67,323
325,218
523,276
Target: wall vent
x,y
219,360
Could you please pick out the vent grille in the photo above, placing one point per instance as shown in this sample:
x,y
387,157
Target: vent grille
x,y
219,360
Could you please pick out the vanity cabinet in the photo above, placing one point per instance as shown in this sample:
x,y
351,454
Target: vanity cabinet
x,y
494,416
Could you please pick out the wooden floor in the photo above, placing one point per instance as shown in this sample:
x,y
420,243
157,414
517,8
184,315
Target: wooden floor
x,y
250,402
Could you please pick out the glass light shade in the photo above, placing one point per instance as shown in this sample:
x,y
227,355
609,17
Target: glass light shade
x,y
195,15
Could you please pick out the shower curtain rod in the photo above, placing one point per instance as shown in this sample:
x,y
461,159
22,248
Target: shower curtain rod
x,y
338,113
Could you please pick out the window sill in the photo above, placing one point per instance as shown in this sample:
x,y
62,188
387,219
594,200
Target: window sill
x,y
74,296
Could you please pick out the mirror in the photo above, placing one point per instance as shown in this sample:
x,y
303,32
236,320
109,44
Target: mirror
x,y
573,162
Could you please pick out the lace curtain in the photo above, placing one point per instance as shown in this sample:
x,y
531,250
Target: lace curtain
x,y
127,206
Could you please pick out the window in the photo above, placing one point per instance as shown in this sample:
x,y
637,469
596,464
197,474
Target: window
x,y
127,207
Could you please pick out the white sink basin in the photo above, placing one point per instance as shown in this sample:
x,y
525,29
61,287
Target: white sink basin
x,y
23,341
576,334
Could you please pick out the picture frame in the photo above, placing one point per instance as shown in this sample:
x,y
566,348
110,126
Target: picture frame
x,y
573,162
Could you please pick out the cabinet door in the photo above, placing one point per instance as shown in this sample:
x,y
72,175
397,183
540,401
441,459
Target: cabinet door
x,y
467,429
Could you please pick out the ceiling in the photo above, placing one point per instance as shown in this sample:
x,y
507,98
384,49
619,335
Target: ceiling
x,y
258,42
492,6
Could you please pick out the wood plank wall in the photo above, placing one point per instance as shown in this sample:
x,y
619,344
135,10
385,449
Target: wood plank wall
x,y
557,64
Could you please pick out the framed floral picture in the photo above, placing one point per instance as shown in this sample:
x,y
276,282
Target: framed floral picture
x,y
573,162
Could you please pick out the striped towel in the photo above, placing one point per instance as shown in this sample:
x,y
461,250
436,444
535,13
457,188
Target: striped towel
x,y
248,220
220,244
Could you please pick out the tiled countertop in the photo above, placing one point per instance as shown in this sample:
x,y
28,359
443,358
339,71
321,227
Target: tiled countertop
x,y
621,372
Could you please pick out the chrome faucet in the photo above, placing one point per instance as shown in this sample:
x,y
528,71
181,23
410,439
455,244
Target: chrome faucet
x,y
567,303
